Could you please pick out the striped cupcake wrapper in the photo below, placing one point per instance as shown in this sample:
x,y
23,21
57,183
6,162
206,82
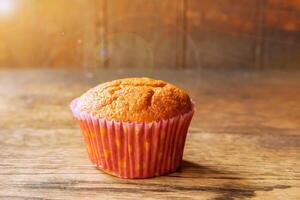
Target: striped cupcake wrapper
x,y
134,149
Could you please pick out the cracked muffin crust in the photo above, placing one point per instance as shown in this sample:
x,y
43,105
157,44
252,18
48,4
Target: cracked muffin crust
x,y
135,100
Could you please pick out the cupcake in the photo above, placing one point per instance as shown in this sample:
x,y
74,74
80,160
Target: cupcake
x,y
134,127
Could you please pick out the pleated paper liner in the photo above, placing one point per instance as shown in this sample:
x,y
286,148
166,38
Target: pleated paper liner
x,y
134,149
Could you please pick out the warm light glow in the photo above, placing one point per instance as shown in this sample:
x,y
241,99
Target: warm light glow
x,y
6,6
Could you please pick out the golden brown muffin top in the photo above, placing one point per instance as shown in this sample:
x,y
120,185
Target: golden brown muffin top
x,y
135,100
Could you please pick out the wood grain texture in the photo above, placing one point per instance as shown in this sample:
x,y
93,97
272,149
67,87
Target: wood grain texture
x,y
154,34
143,34
244,141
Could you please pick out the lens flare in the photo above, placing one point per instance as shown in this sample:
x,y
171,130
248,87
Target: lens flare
x,y
6,6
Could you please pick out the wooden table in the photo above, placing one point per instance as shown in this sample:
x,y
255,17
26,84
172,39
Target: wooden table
x,y
243,143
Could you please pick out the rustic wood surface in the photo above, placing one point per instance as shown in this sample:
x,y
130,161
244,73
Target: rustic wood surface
x,y
153,34
243,143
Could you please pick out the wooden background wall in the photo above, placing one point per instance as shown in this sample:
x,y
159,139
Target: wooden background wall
x,y
153,34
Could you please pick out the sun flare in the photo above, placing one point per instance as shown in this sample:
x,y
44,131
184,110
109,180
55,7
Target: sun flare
x,y
6,6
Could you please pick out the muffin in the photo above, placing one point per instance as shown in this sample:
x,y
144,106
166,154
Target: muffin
x,y
134,127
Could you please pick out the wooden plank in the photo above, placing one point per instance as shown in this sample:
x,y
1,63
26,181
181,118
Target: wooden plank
x,y
48,34
101,34
142,34
221,34
243,143
244,34
282,33
260,33
181,33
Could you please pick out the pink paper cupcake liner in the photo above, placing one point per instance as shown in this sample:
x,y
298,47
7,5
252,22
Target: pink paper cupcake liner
x,y
134,149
